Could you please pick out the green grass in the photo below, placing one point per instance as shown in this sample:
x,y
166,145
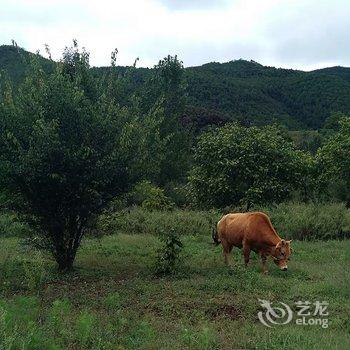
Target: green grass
x,y
112,300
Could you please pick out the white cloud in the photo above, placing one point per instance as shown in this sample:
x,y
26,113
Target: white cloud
x,y
289,33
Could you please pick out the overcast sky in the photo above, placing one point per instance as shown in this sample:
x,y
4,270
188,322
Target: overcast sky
x,y
301,34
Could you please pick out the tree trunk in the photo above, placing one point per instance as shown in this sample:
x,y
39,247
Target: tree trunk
x,y
66,243
65,261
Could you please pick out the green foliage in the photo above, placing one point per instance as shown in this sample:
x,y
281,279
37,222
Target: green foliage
x,y
166,89
10,225
67,148
203,338
235,165
85,324
310,221
305,221
14,61
149,197
169,254
24,272
140,221
333,163
248,91
333,122
34,272
308,140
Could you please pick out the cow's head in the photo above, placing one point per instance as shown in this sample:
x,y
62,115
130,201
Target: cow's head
x,y
282,253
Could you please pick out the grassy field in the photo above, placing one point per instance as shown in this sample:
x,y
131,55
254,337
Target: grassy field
x,y
112,300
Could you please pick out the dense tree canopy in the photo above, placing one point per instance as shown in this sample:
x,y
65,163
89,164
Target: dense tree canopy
x,y
234,165
67,148
333,161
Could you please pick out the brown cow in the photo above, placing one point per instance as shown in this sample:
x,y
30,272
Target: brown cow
x,y
252,231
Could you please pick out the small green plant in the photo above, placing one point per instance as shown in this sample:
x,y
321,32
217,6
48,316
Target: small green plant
x,y
203,338
169,254
112,301
59,318
34,271
10,226
85,326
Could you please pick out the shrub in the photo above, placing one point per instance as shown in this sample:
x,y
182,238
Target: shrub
x,y
67,147
23,272
234,165
18,327
11,226
34,271
333,163
149,197
85,325
292,220
142,221
311,221
168,255
180,194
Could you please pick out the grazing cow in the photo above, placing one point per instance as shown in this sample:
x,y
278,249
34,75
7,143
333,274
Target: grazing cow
x,y
252,231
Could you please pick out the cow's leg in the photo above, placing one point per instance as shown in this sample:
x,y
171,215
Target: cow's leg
x,y
263,262
246,253
227,250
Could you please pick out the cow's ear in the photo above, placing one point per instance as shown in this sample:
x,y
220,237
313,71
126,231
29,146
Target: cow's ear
x,y
288,242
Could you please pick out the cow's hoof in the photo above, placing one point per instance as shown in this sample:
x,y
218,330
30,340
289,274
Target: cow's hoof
x,y
265,272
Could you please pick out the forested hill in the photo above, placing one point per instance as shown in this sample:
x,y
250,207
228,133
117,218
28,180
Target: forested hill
x,y
244,90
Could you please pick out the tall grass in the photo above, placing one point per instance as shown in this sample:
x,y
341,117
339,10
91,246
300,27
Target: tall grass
x,y
292,220
141,221
11,226
311,221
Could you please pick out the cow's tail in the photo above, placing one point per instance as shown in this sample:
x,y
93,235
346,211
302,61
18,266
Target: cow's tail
x,y
215,236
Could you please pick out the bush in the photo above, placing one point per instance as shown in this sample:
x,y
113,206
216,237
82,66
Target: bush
x,y
311,221
168,255
149,197
34,271
291,220
11,226
19,271
84,328
141,221
180,194
234,165
67,147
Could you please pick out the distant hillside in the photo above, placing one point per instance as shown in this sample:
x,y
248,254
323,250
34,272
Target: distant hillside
x,y
244,90
13,60
266,93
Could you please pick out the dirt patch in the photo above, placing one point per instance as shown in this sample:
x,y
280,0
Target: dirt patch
x,y
228,311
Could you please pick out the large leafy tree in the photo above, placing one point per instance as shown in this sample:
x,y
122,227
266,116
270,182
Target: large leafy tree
x,y
67,147
333,162
235,165
165,92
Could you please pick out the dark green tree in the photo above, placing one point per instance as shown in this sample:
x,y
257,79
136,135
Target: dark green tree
x,y
333,163
165,92
67,148
235,165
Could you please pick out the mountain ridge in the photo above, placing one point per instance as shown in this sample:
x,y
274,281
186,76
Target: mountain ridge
x,y
238,89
